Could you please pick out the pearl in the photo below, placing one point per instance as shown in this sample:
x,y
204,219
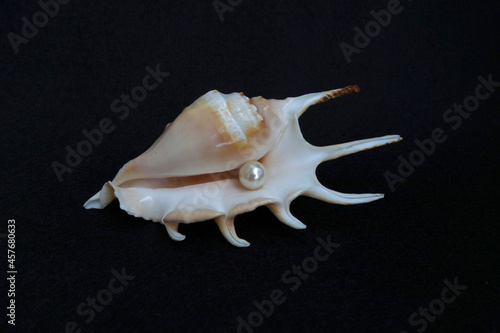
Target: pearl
x,y
253,175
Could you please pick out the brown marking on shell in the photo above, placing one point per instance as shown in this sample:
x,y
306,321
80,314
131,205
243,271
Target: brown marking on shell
x,y
339,93
249,100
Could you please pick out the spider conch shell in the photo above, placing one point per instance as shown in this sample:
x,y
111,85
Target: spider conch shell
x,y
190,173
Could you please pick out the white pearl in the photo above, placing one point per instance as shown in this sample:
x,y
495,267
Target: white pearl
x,y
253,175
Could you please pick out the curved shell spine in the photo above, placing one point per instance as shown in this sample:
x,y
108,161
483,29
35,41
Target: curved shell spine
x,y
190,173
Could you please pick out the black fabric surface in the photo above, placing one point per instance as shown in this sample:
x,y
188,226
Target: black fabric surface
x,y
394,257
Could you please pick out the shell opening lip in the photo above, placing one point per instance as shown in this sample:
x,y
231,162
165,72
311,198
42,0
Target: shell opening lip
x,y
182,181
252,175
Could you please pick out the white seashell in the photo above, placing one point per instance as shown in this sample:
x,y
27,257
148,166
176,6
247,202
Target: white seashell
x,y
226,155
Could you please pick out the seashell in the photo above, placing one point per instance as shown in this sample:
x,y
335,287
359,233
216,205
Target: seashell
x,y
225,155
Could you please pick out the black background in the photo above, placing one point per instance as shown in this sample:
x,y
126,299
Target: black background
x,y
395,253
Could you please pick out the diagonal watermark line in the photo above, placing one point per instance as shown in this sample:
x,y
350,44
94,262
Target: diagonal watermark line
x,y
453,117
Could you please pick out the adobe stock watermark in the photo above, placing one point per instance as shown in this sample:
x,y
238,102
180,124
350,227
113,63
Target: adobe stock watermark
x,y
454,117
121,107
292,278
87,310
421,319
222,7
29,29
381,19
